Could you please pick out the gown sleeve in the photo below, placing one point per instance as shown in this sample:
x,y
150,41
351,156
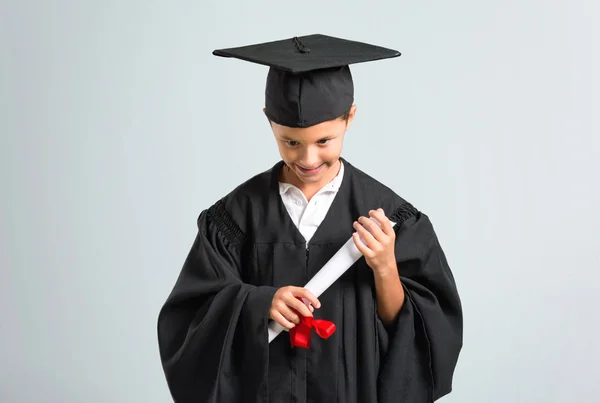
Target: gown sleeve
x,y
420,349
212,329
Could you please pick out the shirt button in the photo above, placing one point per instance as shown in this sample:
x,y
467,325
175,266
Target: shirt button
x,y
298,202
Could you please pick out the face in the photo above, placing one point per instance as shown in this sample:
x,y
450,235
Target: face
x,y
312,153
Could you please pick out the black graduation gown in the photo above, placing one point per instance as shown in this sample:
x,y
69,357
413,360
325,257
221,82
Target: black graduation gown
x,y
212,330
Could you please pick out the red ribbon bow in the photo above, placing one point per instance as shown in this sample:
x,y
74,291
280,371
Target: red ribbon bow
x,y
301,334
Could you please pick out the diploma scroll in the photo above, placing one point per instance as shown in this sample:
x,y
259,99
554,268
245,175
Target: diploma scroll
x,y
343,259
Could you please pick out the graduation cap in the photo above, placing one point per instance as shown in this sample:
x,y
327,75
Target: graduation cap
x,y
309,79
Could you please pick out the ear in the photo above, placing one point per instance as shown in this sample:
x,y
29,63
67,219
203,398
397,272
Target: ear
x,y
269,120
351,115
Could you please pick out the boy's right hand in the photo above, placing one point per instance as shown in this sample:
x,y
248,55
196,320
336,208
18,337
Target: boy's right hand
x,y
285,301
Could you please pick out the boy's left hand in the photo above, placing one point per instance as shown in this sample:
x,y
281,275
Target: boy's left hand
x,y
379,251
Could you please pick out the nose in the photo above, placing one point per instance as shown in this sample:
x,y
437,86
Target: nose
x,y
310,159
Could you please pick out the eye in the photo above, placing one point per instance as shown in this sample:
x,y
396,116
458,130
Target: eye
x,y
323,141
292,143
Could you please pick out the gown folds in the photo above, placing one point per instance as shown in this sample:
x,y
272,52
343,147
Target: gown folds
x,y
212,329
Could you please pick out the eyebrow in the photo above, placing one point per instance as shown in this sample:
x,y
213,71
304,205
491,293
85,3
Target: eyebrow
x,y
329,137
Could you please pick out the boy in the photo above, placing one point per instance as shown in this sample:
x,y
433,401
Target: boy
x,y
397,311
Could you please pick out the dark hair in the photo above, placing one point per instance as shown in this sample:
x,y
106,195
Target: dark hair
x,y
345,116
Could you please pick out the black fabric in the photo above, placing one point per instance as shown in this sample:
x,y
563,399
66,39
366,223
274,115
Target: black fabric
x,y
303,100
212,330
309,79
323,52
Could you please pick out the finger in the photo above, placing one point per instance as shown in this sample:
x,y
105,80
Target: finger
x,y
303,293
312,310
372,226
386,224
309,296
365,234
292,315
279,318
298,306
360,245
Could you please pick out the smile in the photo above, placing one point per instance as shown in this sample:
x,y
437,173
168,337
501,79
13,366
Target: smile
x,y
311,171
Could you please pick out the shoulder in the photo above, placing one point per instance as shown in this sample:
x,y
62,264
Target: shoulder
x,y
376,194
253,192
373,186
233,212
415,230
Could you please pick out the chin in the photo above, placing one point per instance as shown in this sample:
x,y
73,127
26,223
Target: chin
x,y
310,179
323,170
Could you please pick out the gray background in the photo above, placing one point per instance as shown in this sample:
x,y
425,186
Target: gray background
x,y
118,127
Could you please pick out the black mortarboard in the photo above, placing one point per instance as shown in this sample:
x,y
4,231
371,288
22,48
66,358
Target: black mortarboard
x,y
309,79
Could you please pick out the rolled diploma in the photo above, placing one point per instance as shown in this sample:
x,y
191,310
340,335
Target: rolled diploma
x,y
339,263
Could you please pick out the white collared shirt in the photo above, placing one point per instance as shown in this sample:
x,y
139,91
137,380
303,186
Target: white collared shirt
x,y
308,216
